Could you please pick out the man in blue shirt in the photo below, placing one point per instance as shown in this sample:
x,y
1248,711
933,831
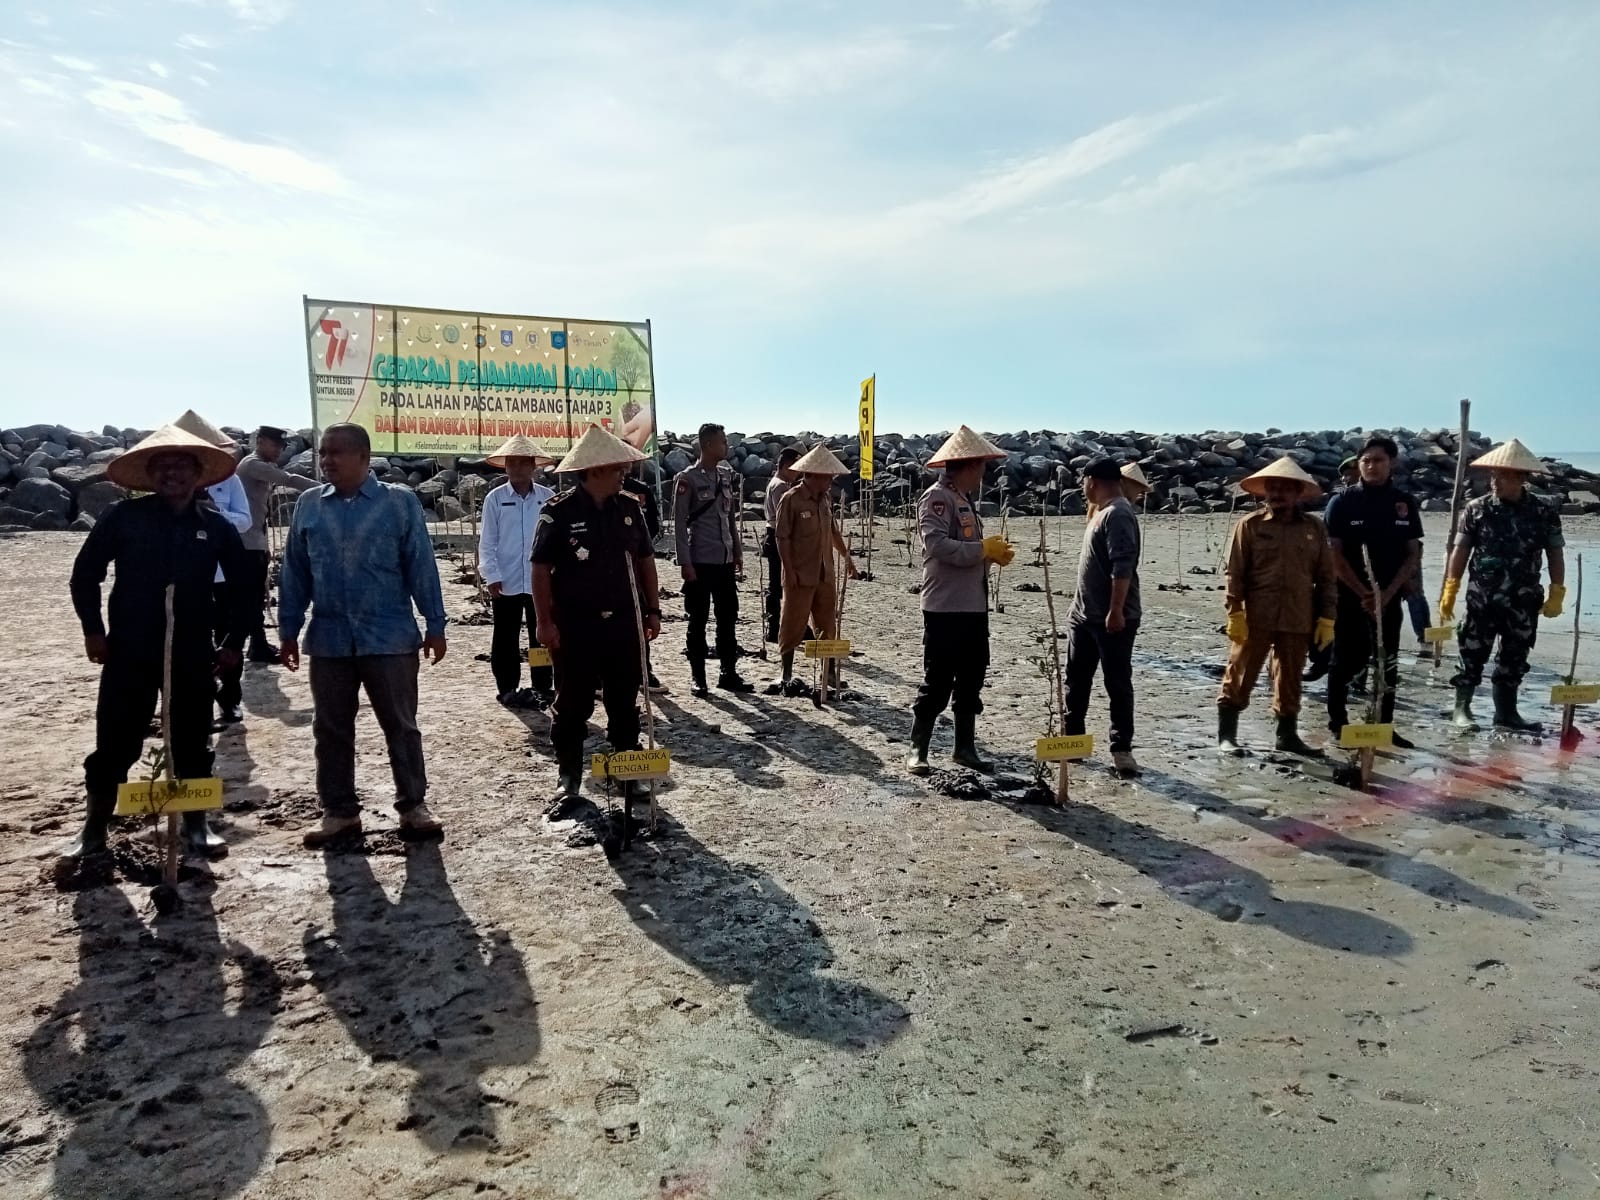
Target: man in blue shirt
x,y
358,555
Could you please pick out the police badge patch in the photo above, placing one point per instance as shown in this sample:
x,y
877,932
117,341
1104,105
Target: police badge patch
x,y
938,507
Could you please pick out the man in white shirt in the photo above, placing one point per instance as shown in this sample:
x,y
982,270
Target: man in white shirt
x,y
505,544
230,500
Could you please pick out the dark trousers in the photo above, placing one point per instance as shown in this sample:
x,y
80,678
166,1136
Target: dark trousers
x,y
1514,619
955,659
390,681
1089,646
513,614
1352,652
603,657
774,596
260,568
713,582
129,689
1417,606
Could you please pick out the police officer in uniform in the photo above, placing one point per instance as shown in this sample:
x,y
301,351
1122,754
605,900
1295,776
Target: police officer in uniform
x,y
711,556
1377,516
955,601
155,540
1501,539
590,540
807,539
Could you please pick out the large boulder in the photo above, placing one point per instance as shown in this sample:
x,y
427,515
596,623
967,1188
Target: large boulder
x,y
448,508
49,522
42,495
78,476
96,497
40,458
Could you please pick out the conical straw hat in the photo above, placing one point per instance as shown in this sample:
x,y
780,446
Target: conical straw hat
x,y
819,460
519,447
597,448
1512,456
963,445
132,470
1283,468
1134,475
193,422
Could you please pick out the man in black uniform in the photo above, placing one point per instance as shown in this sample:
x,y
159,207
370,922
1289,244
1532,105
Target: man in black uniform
x,y
155,540
590,541
1377,516
646,496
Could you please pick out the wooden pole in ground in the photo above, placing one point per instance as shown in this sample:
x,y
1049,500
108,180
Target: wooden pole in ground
x,y
1457,493
999,572
169,872
644,688
1380,673
1062,795
1569,712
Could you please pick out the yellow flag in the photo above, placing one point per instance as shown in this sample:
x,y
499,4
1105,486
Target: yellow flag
x,y
869,389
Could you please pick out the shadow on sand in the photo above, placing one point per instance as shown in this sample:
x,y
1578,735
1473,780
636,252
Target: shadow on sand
x,y
736,925
1219,886
414,982
137,1055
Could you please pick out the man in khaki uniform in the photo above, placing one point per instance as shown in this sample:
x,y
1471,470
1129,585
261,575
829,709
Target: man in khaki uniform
x,y
807,539
1282,596
955,602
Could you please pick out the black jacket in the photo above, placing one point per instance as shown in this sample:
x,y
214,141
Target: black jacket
x,y
151,547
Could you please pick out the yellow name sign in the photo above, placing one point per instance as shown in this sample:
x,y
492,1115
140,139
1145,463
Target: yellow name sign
x,y
1575,693
538,656
1438,633
1366,737
828,649
1055,749
184,795
631,764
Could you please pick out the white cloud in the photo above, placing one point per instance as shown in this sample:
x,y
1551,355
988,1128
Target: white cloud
x,y
72,63
1021,12
193,41
260,12
163,118
782,70
158,70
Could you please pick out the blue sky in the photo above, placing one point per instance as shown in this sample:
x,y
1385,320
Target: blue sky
x,y
1019,213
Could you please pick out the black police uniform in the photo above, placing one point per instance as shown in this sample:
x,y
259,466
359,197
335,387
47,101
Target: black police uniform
x,y
1386,521
587,547
152,546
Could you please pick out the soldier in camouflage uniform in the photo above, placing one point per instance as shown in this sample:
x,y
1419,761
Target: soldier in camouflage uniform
x,y
1502,537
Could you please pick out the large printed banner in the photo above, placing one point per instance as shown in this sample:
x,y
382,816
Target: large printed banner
x,y
426,382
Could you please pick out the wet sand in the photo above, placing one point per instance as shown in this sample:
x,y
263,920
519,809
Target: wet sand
x,y
823,978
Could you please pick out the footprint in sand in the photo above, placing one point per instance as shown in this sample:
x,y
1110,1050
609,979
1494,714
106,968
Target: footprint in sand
x,y
1488,973
617,1104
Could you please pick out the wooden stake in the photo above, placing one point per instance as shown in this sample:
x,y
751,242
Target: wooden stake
x,y
1380,673
1062,790
170,871
644,687
1456,495
1569,712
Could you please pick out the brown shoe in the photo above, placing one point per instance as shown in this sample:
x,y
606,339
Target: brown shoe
x,y
331,830
418,822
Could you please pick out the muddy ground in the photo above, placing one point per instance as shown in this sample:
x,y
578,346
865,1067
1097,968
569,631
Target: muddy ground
x,y
822,978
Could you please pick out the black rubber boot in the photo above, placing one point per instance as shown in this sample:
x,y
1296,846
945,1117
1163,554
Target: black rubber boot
x,y
200,839
1288,738
966,751
697,672
1396,740
1228,730
729,679
921,736
1506,715
1462,718
91,838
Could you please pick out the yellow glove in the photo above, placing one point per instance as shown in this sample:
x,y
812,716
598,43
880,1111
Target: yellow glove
x,y
1323,636
1238,627
1554,600
1447,601
997,550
